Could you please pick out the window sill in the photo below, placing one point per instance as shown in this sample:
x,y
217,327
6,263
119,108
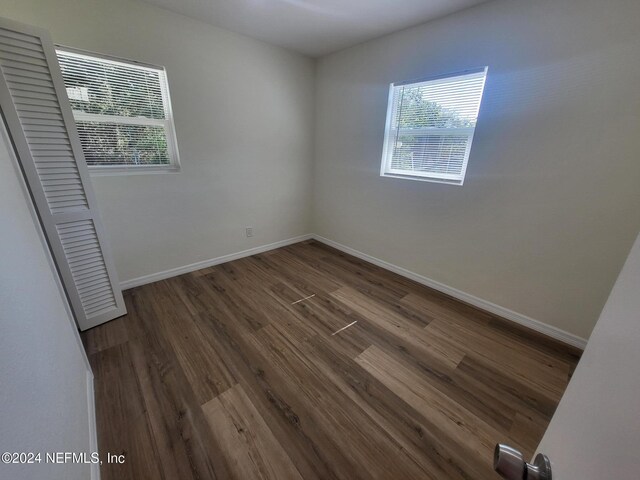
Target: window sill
x,y
104,171
457,183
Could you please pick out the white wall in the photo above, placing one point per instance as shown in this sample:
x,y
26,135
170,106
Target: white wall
x,y
244,120
43,371
549,208
595,431
548,211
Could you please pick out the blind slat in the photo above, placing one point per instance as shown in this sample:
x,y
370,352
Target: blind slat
x,y
431,126
120,109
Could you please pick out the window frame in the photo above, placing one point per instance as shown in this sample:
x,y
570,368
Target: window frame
x,y
388,146
167,123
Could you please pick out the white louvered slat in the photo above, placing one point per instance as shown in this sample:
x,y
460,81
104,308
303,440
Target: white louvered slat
x,y
107,301
39,153
25,68
80,263
74,252
86,273
55,142
33,91
430,127
23,59
12,44
77,238
84,242
74,247
76,235
99,312
60,184
41,136
88,278
23,82
14,34
62,190
96,292
55,172
14,47
95,287
34,100
85,262
57,190
98,305
47,127
74,227
40,121
87,259
65,192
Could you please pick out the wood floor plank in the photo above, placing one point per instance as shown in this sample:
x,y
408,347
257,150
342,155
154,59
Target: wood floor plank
x,y
398,326
357,275
537,340
483,328
550,378
109,335
231,293
123,427
527,432
426,445
263,386
246,370
490,380
321,315
245,438
436,308
300,274
491,409
258,269
202,365
450,417
174,414
337,423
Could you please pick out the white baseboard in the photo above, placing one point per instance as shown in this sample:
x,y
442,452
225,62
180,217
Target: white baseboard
x,y
503,312
93,427
154,277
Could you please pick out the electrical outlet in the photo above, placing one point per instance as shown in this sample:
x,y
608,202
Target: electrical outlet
x,y
249,231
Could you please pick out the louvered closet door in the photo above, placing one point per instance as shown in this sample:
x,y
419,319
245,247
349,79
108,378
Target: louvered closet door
x,y
38,116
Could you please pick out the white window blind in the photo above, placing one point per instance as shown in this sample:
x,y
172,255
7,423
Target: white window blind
x,y
122,111
430,126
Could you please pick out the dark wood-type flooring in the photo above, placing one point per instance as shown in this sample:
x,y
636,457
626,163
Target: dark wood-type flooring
x,y
232,372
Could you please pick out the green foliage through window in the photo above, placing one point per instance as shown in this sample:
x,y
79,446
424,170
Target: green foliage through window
x,y
430,126
419,112
119,109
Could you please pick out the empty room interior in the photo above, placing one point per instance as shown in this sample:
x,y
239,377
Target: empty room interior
x,y
319,239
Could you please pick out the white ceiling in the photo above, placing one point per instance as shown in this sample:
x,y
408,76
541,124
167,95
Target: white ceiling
x,y
314,27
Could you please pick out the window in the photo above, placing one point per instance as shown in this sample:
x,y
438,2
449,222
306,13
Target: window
x,y
122,111
430,125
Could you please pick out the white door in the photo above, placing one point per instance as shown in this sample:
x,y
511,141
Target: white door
x,y
38,116
595,432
